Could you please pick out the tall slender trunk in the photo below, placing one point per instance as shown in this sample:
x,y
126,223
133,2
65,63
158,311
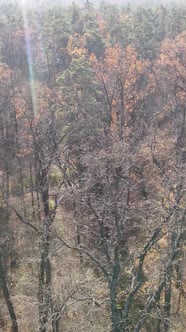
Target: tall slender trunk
x,y
115,314
167,298
22,187
168,288
115,317
45,296
32,193
78,235
19,160
45,300
79,242
7,183
159,323
7,298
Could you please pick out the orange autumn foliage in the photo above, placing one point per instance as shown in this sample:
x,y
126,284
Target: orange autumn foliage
x,y
120,74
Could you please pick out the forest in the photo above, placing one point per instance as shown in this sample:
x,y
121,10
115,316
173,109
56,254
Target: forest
x,y
93,167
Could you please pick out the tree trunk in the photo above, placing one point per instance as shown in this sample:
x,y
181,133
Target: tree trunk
x,y
45,297
115,314
167,305
45,300
115,317
32,193
7,298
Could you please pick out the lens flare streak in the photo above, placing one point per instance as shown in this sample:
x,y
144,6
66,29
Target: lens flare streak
x,y
29,51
